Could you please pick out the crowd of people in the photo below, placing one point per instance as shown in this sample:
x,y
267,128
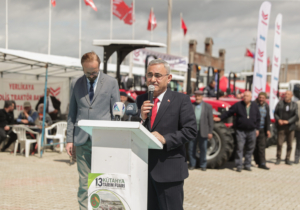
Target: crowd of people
x,y
28,116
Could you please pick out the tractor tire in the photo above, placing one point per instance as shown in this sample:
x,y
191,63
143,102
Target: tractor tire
x,y
220,147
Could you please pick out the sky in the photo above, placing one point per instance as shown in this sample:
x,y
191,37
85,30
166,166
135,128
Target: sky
x,y
231,24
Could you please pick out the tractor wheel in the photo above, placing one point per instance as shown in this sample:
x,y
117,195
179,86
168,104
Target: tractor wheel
x,y
220,147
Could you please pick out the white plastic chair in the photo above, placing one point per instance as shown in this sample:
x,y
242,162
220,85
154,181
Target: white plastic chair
x,y
20,130
61,128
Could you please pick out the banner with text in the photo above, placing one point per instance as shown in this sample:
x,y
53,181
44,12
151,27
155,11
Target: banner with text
x,y
22,90
275,65
260,63
108,191
176,62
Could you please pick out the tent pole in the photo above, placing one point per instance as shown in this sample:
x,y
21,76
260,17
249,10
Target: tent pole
x,y
44,111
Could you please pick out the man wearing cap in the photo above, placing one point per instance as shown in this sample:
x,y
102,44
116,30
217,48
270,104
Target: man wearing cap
x,y
124,98
264,131
6,119
205,124
28,116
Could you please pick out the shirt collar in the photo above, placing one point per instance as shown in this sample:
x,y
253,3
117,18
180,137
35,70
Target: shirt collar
x,y
161,96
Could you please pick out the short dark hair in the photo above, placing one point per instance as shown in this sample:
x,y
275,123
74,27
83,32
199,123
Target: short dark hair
x,y
7,104
212,81
262,93
90,56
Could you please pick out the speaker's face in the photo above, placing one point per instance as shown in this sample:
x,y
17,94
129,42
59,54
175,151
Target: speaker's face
x,y
157,75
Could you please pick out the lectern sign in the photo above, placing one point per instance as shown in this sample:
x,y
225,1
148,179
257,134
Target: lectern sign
x,y
109,191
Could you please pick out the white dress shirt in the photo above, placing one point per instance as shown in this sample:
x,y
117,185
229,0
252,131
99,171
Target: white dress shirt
x,y
50,105
94,85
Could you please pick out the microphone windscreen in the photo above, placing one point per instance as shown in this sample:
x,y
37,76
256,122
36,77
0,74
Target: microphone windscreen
x,y
131,109
119,109
151,88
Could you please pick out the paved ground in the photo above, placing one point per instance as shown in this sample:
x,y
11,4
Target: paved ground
x,y
51,183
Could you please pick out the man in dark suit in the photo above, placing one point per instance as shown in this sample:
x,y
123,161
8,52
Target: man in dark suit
x,y
205,125
173,123
124,98
52,105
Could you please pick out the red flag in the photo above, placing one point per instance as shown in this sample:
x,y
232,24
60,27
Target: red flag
x,y
129,17
121,9
249,53
53,2
91,4
151,22
268,61
183,26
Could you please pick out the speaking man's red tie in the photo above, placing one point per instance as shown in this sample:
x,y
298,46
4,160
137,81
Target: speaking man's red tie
x,y
154,111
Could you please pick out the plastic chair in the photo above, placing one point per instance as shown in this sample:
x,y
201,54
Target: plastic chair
x,y
20,130
61,128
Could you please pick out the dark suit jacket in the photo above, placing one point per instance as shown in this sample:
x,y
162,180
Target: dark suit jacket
x,y
206,119
293,114
176,121
55,103
267,118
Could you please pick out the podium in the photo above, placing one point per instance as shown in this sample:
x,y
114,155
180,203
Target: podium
x,y
119,167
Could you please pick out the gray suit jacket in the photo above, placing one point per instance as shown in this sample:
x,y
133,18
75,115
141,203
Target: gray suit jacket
x,y
206,119
80,107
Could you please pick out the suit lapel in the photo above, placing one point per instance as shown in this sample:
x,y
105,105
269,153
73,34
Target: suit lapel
x,y
202,111
85,90
100,83
163,107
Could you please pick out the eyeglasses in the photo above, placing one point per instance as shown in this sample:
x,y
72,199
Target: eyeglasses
x,y
156,75
90,74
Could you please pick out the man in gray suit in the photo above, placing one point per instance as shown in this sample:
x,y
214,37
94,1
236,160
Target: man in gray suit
x,y
205,125
91,98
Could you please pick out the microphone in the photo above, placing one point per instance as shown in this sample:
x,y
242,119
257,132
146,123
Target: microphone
x,y
150,97
118,110
131,109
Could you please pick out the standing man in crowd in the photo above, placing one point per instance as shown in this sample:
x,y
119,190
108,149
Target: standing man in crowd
x,y
286,116
264,131
210,89
92,97
52,105
173,123
6,119
205,125
247,129
297,135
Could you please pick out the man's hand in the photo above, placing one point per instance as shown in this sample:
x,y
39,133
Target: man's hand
x,y
217,119
257,133
55,111
69,148
6,128
280,122
285,122
159,137
145,109
269,134
209,136
24,121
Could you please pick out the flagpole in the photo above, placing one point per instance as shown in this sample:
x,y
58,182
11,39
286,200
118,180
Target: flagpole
x,y
49,35
169,31
131,55
80,28
6,26
111,17
180,35
152,17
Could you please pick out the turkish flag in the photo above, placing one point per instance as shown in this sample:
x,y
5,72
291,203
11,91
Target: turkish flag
x,y
183,26
129,19
151,22
91,4
249,53
120,9
53,2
